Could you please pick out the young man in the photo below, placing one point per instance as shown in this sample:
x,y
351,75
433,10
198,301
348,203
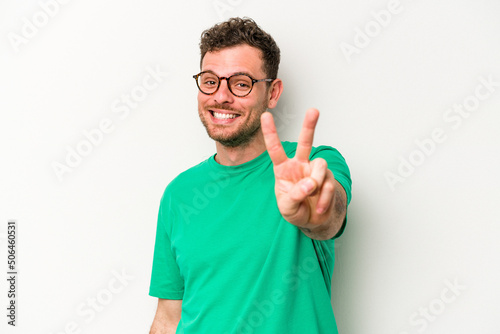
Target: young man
x,y
245,239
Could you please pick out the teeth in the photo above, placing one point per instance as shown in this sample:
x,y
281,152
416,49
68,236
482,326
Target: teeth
x,y
223,116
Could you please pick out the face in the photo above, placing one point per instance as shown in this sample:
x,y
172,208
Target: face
x,y
233,121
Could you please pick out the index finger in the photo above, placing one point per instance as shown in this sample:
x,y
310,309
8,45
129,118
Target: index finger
x,y
271,139
306,137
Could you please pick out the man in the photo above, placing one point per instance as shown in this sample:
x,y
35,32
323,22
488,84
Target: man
x,y
245,239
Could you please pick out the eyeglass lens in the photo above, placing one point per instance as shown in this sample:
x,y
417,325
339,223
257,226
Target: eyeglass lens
x,y
239,84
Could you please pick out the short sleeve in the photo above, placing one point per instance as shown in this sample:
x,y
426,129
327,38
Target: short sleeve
x,y
166,281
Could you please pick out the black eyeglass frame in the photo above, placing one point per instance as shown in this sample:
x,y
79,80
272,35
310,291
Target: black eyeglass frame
x,y
254,81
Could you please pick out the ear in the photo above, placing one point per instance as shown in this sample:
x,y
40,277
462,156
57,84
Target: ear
x,y
274,93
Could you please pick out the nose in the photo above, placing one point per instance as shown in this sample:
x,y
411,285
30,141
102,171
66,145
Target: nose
x,y
223,94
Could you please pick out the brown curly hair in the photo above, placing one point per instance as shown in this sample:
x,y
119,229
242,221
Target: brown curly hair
x,y
236,31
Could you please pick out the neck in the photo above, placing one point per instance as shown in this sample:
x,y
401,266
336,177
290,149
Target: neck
x,y
232,156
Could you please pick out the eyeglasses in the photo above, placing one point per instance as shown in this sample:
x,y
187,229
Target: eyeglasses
x,y
239,84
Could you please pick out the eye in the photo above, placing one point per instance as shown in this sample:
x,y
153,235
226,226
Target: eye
x,y
242,84
209,82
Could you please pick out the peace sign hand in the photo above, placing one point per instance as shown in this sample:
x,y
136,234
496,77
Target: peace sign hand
x,y
305,189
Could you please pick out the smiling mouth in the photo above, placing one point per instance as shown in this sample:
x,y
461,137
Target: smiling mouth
x,y
219,115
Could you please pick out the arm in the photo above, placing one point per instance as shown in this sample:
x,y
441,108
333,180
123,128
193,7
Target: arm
x,y
167,316
307,194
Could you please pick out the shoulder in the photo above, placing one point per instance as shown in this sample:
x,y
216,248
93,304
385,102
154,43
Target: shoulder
x,y
187,179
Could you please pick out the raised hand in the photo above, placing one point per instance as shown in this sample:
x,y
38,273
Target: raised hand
x,y
305,190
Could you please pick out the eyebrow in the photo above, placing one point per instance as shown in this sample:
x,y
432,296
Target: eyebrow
x,y
236,73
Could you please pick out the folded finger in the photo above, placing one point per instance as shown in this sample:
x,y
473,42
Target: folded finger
x,y
326,194
318,170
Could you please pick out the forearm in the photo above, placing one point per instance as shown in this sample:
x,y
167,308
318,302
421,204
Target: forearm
x,y
163,327
167,317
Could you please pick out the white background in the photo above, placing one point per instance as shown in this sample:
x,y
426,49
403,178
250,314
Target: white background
x,y
437,224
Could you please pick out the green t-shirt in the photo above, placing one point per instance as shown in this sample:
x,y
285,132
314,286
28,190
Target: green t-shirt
x,y
224,249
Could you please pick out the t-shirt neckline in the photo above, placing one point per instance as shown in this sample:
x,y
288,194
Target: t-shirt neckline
x,y
254,163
